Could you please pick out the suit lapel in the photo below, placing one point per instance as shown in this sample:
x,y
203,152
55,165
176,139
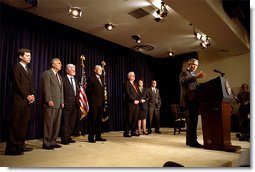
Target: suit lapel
x,y
27,74
55,78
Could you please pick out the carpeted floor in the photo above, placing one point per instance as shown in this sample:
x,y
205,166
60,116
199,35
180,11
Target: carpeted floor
x,y
144,151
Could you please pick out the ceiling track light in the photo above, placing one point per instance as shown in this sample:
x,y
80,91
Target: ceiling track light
x,y
205,42
171,53
161,13
75,12
109,26
136,38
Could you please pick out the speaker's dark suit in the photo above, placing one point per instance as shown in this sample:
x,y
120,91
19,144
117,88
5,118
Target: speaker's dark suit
x,y
21,109
70,111
95,94
154,108
132,110
52,90
188,99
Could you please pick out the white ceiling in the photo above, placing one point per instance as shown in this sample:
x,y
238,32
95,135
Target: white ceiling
x,y
173,33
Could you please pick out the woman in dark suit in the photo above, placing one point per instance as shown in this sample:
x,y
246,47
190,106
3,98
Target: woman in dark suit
x,y
143,108
22,98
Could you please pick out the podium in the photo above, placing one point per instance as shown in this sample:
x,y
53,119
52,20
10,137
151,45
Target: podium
x,y
215,97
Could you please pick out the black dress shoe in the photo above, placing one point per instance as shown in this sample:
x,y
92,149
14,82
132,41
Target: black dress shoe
x,y
127,135
91,141
100,139
158,132
65,142
196,145
13,152
71,141
25,149
56,146
48,147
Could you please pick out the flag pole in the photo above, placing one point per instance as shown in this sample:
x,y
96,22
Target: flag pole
x,y
106,110
84,106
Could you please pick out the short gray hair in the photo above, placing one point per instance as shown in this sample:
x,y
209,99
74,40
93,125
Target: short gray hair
x,y
129,73
192,60
53,60
69,66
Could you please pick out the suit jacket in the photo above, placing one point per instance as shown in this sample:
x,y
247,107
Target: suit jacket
x,y
188,84
70,100
130,94
52,90
154,99
95,92
143,95
22,85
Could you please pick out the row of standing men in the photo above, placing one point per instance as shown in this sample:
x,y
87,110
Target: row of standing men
x,y
61,104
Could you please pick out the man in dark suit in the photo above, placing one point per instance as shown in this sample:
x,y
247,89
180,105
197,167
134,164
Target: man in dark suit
x,y
53,102
22,98
154,107
189,100
70,111
132,106
95,94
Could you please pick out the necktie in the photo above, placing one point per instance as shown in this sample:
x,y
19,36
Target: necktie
x,y
26,69
58,78
153,90
72,83
134,87
99,79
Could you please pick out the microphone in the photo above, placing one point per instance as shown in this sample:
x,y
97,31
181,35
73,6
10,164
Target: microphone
x,y
217,71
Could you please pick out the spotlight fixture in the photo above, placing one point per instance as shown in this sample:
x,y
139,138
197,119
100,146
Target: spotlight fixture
x,y
109,26
75,12
136,38
161,13
205,42
171,53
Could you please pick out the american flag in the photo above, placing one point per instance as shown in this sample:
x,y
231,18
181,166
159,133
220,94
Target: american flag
x,y
84,105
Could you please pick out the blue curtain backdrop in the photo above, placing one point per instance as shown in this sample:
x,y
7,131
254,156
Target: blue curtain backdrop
x,y
47,40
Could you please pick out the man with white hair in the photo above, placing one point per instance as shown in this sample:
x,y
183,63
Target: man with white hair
x,y
71,105
131,105
96,99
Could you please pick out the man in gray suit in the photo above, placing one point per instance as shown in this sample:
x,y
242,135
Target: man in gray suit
x,y
53,102
154,107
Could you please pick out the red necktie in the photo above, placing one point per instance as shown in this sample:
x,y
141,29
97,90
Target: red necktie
x,y
134,87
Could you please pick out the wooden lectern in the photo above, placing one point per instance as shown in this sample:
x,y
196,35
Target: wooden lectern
x,y
215,97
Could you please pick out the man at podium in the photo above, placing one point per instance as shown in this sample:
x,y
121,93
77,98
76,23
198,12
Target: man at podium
x,y
189,100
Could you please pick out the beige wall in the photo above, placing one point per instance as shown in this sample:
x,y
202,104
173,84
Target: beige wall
x,y
236,68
